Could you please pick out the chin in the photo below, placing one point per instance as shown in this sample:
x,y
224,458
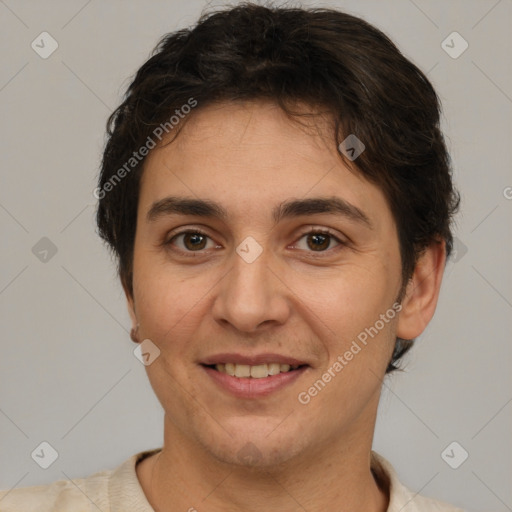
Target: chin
x,y
254,448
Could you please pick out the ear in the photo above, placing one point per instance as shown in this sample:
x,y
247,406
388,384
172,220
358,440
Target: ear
x,y
130,304
420,301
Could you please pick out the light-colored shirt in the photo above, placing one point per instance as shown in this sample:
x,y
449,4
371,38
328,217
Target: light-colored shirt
x,y
119,490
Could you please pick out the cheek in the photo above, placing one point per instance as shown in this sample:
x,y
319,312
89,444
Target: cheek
x,y
350,299
357,332
355,322
169,301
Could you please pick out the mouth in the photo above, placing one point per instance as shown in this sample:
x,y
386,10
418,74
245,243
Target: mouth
x,y
253,381
258,371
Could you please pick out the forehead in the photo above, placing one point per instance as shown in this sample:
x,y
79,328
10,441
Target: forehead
x,y
235,131
246,155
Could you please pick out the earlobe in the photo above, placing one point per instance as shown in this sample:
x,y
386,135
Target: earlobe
x,y
422,293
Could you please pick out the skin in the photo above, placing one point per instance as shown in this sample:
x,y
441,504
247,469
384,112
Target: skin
x,y
294,299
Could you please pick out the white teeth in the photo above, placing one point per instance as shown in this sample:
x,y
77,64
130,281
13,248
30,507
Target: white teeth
x,y
242,370
230,368
274,368
258,371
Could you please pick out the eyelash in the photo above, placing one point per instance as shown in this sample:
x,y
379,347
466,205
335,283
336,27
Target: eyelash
x,y
311,231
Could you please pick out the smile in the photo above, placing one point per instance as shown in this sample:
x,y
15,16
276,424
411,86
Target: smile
x,y
253,381
259,371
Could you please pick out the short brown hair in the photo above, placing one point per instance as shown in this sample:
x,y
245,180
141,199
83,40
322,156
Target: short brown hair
x,y
319,57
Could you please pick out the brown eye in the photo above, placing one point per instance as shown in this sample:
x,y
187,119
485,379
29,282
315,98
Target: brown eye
x,y
319,240
192,241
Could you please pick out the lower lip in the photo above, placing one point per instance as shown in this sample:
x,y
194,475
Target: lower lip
x,y
254,388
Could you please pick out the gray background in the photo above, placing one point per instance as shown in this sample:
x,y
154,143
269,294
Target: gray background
x,y
68,373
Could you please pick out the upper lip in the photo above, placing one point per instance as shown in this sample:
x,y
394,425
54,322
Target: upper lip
x,y
252,360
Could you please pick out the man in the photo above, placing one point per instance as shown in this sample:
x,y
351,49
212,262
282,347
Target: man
x,y
278,194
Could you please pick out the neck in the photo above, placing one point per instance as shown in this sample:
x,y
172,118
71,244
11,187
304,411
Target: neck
x,y
184,476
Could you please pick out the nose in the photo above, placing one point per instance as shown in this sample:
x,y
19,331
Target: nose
x,y
252,296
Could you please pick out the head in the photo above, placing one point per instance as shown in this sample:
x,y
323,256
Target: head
x,y
249,110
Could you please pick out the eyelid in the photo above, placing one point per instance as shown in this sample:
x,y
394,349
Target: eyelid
x,y
324,231
310,230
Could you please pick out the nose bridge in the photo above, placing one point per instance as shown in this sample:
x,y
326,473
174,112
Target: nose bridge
x,y
249,275
249,295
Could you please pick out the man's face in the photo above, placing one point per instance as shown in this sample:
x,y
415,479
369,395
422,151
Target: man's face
x,y
304,297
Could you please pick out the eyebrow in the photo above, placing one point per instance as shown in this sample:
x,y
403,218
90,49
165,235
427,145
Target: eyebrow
x,y
288,209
